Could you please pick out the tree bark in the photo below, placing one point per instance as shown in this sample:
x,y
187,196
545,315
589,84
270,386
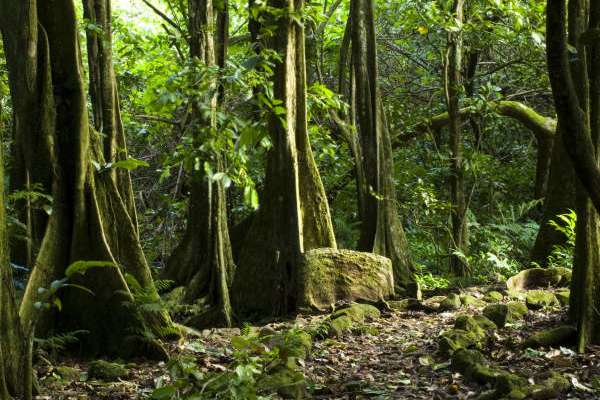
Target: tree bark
x,y
203,261
87,202
381,229
294,215
452,88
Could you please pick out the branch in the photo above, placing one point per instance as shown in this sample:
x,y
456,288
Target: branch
x,y
165,17
542,127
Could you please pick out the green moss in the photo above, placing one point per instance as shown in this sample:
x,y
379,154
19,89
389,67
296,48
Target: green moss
x,y
560,335
493,297
469,300
478,324
107,371
451,302
410,304
538,299
563,296
358,312
500,314
539,278
68,373
456,339
287,382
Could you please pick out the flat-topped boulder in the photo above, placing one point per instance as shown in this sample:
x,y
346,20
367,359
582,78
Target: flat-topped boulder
x,y
329,276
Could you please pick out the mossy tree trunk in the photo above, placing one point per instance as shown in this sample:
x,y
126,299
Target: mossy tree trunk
x,y
452,90
576,90
87,202
203,261
105,98
15,345
381,229
294,215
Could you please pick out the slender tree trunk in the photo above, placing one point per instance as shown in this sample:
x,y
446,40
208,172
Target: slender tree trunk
x,y
293,214
86,201
452,87
15,357
381,228
203,261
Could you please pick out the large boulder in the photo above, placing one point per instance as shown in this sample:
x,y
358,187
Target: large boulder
x,y
328,276
558,336
539,278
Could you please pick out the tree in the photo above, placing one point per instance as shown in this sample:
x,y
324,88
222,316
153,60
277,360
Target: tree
x,y
15,345
452,89
294,215
575,81
41,43
381,229
203,260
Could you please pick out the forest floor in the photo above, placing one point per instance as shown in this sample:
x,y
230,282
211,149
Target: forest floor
x,y
394,357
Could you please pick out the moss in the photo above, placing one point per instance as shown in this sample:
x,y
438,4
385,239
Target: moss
x,y
456,339
107,371
68,373
538,299
451,302
560,335
563,296
510,386
287,382
410,304
478,324
493,297
463,361
551,387
358,312
539,278
327,276
500,314
469,300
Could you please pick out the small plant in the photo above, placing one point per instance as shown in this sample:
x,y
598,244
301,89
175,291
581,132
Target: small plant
x,y
562,255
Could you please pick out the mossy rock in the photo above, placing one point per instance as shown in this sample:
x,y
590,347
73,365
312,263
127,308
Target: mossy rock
x,y
68,373
561,335
297,344
450,303
287,382
456,339
563,296
551,387
479,324
344,320
328,276
501,314
538,299
511,386
410,304
463,361
470,300
434,302
539,278
106,371
493,297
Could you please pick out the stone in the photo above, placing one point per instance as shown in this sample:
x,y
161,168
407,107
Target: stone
x,y
107,371
456,339
329,276
540,278
479,324
563,296
345,319
493,297
561,335
450,303
68,373
538,299
500,314
470,300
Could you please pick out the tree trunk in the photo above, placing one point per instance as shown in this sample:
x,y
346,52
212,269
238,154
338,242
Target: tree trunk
x,y
203,261
381,228
87,202
576,89
15,351
293,214
105,98
452,89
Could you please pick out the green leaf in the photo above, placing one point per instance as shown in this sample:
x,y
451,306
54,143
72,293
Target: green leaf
x,y
164,393
81,267
130,164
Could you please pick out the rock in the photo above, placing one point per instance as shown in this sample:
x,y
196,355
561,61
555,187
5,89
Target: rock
x,y
464,360
563,296
456,339
493,297
479,323
539,278
410,304
106,371
551,388
510,386
434,302
501,314
450,303
287,382
329,276
345,319
538,299
470,300
68,373
296,344
560,335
